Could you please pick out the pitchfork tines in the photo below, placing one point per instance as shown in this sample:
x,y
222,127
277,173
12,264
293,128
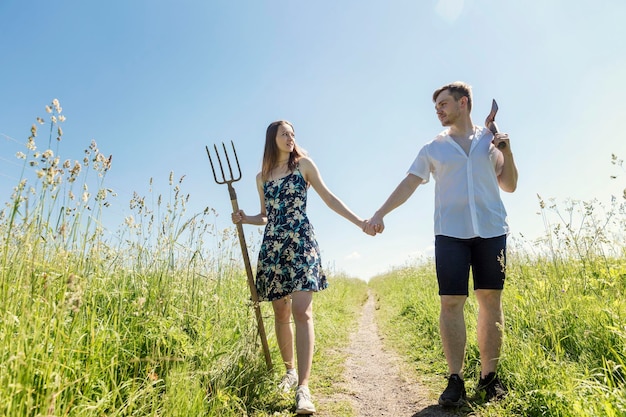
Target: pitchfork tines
x,y
232,177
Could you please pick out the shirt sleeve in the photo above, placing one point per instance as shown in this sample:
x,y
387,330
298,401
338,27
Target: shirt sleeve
x,y
421,166
498,160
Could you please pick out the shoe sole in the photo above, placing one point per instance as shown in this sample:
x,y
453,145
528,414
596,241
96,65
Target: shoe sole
x,y
448,403
307,411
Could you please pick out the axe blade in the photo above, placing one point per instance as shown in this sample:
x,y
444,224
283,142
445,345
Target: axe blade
x,y
490,122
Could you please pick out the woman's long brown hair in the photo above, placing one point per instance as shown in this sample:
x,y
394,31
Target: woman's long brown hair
x,y
270,154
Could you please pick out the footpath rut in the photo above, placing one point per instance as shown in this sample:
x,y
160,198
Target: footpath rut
x,y
375,381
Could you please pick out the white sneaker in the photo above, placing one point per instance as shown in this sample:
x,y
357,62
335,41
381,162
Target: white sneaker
x,y
288,382
304,403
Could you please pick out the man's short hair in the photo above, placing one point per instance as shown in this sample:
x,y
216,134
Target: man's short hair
x,y
457,90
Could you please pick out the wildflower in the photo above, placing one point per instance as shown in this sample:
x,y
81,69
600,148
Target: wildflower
x,y
40,120
101,195
50,176
20,155
47,154
74,294
74,172
61,118
85,197
57,106
48,109
130,221
542,204
77,167
30,145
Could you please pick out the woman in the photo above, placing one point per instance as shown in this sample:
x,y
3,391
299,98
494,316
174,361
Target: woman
x,y
289,268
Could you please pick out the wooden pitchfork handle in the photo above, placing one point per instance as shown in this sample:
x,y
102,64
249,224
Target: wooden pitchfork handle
x,y
244,248
253,292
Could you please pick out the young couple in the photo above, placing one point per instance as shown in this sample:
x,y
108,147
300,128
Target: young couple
x,y
469,164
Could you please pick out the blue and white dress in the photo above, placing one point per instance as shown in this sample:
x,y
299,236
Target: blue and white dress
x,y
289,258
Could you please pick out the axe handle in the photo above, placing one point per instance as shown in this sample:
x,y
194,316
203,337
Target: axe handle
x,y
494,129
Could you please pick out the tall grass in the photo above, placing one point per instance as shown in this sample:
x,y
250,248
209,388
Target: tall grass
x,y
144,323
565,306
151,320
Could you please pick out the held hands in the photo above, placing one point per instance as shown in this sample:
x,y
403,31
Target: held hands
x,y
373,226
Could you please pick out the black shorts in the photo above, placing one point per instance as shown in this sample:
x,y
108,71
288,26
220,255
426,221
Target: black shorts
x,y
453,258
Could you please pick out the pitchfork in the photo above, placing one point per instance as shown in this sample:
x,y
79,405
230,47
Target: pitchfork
x,y
242,240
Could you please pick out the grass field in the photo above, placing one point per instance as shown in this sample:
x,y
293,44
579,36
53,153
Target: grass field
x,y
151,323
565,329
145,323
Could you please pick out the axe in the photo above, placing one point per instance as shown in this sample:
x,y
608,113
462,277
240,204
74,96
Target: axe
x,y
490,122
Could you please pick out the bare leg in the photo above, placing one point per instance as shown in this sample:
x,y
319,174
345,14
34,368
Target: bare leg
x,y
302,306
453,333
284,332
489,328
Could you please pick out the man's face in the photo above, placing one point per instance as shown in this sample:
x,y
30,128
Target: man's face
x,y
448,110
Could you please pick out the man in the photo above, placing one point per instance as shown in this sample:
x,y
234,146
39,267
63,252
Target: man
x,y
470,165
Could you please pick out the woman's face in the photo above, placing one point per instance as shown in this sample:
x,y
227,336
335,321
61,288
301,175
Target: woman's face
x,y
285,138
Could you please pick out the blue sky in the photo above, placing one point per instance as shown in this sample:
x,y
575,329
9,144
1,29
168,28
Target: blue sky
x,y
153,82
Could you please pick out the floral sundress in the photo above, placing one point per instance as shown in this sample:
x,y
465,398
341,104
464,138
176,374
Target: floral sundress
x,y
289,257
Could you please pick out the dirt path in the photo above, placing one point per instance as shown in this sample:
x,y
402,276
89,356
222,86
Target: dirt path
x,y
375,379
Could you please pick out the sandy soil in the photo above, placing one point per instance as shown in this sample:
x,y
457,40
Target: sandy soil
x,y
377,382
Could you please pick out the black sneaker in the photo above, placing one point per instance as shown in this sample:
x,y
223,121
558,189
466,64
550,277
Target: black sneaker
x,y
454,394
492,386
